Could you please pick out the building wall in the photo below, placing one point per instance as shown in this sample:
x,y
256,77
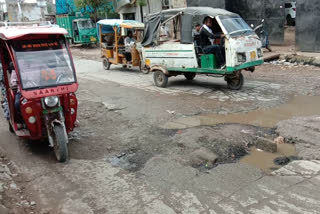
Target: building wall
x,y
152,6
30,12
308,25
177,3
210,3
253,11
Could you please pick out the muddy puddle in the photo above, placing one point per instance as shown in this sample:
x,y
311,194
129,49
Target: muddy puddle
x,y
297,106
267,161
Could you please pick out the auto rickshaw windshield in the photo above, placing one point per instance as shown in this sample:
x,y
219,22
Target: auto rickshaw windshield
x,y
43,63
235,25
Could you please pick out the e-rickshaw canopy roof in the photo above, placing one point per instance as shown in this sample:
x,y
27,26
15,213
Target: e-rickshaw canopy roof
x,y
8,33
108,24
188,14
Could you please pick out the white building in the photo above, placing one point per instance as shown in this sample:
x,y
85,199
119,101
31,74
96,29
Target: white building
x,y
3,10
26,10
132,9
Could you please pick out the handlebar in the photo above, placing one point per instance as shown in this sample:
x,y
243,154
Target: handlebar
x,y
259,26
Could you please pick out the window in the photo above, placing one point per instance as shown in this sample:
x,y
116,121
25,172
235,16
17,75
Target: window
x,y
85,24
129,16
43,63
287,5
235,25
171,30
165,4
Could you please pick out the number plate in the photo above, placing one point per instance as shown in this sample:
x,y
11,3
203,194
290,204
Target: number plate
x,y
93,39
253,55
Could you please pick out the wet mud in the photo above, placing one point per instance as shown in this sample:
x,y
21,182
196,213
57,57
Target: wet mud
x,y
269,162
297,106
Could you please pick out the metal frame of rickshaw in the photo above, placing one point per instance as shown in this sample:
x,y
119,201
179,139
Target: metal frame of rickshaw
x,y
112,56
163,70
31,101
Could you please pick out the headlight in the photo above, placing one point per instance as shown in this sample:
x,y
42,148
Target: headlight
x,y
32,120
241,57
51,101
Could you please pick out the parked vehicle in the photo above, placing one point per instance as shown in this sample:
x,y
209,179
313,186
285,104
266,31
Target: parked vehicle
x,y
178,54
290,11
40,83
81,29
263,35
112,34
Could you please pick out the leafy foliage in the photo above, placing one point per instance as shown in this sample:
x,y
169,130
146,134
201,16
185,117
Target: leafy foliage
x,y
95,7
141,2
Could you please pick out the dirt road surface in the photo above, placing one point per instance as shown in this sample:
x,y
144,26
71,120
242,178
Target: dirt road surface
x,y
143,149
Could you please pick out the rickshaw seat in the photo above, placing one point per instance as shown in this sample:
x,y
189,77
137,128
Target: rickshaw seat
x,y
106,46
197,47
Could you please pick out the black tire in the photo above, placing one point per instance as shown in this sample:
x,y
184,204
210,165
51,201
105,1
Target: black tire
x,y
10,127
60,144
235,83
160,79
290,21
190,76
106,64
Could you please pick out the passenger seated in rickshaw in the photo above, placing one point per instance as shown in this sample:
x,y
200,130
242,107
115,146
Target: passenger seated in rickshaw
x,y
108,41
206,42
129,41
196,32
15,87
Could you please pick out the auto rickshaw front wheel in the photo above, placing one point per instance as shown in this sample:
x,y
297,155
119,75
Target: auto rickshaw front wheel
x,y
60,144
235,82
160,79
106,64
190,76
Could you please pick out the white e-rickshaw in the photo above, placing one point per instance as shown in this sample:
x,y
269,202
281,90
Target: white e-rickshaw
x,y
169,48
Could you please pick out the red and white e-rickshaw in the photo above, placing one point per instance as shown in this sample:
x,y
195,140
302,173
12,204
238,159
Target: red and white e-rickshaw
x,y
42,104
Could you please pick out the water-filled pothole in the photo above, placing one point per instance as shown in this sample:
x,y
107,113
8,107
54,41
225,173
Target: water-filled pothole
x,y
297,106
269,162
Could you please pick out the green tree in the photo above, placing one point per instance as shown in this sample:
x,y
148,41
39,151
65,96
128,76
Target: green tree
x,y
93,6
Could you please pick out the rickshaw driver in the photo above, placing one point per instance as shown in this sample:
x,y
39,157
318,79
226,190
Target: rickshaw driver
x,y
206,41
128,43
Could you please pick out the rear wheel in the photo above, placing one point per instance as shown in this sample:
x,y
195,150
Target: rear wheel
x,y
190,76
106,64
160,79
290,21
235,82
60,144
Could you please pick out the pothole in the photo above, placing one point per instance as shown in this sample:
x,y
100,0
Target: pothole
x,y
263,118
268,161
130,160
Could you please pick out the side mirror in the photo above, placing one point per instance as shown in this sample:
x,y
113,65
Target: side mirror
x,y
262,20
